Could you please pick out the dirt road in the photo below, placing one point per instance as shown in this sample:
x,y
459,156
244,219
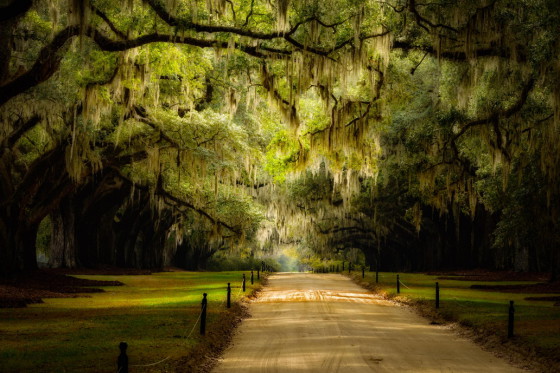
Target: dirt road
x,y
326,323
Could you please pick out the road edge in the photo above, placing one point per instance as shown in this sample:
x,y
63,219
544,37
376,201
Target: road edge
x,y
506,350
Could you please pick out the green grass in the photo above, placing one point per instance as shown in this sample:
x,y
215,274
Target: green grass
x,y
154,314
537,323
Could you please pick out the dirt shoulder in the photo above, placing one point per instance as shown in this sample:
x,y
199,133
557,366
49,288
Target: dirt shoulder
x,y
514,350
205,356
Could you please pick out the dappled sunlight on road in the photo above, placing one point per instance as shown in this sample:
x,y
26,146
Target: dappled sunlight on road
x,y
325,323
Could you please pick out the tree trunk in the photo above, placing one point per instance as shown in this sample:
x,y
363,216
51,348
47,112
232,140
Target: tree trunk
x,y
62,252
17,243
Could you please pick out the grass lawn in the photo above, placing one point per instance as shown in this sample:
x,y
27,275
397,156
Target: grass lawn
x,y
537,323
155,314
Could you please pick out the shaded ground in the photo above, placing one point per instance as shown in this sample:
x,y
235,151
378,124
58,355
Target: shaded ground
x,y
325,323
31,288
482,275
542,287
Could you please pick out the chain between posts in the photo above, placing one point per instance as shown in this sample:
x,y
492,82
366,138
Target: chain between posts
x,y
168,357
122,363
403,284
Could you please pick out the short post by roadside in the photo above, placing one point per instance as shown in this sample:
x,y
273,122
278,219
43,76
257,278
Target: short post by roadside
x,y
228,303
122,361
437,294
398,284
203,307
511,314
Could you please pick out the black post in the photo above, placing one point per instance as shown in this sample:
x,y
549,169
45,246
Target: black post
x,y
122,361
228,295
252,278
376,276
437,294
510,319
258,274
342,266
203,314
244,282
363,272
349,267
398,285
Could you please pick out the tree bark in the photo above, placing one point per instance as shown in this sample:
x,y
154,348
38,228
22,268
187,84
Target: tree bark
x,y
62,253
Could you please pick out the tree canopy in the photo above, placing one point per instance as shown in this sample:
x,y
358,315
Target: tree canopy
x,y
157,132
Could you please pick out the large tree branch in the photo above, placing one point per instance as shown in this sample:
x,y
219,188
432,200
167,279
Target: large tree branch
x,y
21,128
183,24
109,23
45,66
49,57
459,54
423,21
505,113
178,201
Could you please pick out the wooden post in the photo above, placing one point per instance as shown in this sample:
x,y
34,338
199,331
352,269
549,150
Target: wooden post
x,y
258,274
342,266
363,272
437,294
510,319
244,282
398,285
122,361
252,278
228,295
203,314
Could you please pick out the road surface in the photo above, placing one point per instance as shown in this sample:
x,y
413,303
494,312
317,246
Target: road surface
x,y
325,323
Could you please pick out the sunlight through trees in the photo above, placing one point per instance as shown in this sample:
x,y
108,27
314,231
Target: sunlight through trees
x,y
160,132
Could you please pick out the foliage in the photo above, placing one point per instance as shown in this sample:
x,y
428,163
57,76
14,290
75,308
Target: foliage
x,y
349,124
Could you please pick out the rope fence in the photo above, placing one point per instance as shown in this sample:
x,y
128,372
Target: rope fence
x,y
403,284
122,361
463,304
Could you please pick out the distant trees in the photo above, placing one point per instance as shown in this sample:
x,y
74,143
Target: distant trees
x,y
463,143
